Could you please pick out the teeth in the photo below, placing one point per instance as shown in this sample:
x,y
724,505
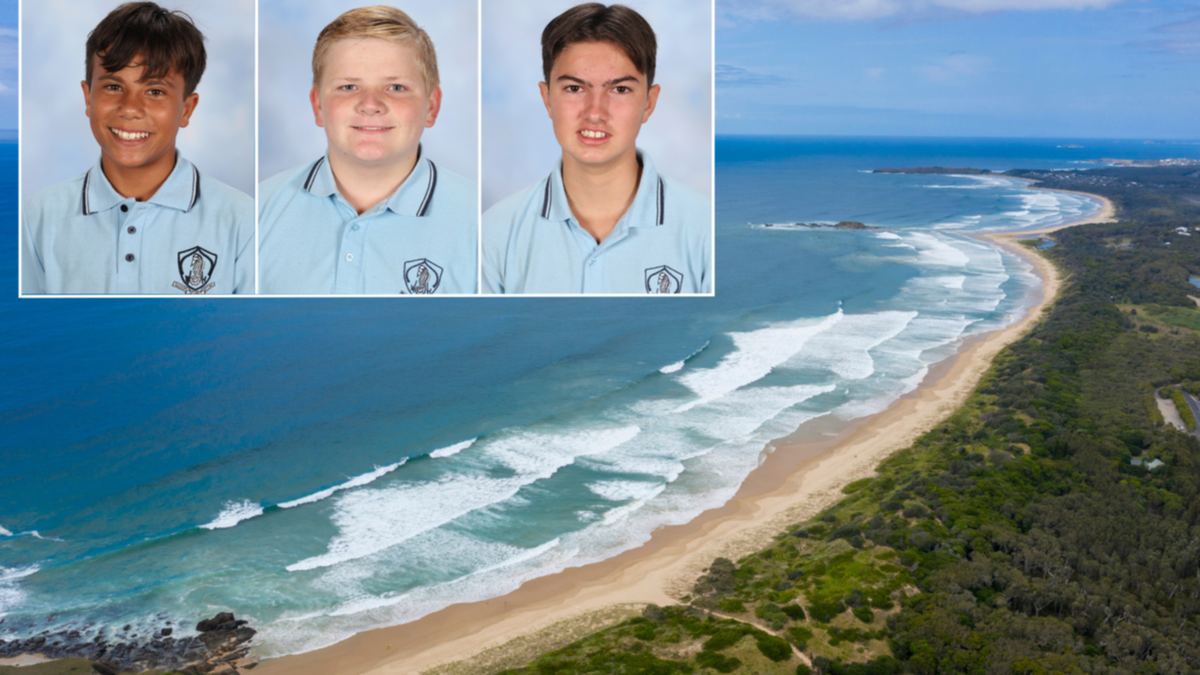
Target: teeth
x,y
128,136
374,128
587,133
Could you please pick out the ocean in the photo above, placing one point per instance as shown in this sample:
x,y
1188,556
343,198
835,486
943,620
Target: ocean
x,y
323,467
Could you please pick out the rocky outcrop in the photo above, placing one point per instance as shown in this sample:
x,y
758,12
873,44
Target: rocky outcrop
x,y
220,648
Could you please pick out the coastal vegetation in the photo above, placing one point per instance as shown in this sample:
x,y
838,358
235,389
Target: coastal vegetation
x,y
1050,525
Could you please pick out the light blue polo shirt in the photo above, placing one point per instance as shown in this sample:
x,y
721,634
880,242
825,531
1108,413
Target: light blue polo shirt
x,y
422,240
532,243
194,236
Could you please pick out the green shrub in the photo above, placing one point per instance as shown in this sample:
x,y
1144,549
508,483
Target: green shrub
x,y
794,612
775,648
732,605
718,662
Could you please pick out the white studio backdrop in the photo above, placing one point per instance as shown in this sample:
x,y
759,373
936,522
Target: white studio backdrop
x,y
519,148
288,29
56,140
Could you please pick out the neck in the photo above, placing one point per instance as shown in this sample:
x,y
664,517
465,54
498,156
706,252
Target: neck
x,y
599,196
141,182
364,186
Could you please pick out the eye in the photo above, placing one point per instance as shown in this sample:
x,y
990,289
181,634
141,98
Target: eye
x,y
347,87
155,92
573,88
397,87
622,89
113,87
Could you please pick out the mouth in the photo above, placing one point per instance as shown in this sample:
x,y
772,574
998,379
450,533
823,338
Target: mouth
x,y
593,136
372,129
130,136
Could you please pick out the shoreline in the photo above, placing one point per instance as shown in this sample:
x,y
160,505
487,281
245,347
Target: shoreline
x,y
793,482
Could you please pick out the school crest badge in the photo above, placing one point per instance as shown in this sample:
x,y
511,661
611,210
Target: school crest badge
x,y
663,280
196,267
422,277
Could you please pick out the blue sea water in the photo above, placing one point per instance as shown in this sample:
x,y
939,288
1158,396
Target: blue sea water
x,y
323,467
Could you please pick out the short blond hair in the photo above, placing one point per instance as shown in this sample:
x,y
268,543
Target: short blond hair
x,y
380,21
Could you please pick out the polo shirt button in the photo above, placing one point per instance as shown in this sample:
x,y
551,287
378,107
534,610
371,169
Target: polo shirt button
x,y
132,230
354,227
128,257
591,262
349,257
124,208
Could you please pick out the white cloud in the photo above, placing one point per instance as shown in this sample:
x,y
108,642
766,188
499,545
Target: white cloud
x,y
865,10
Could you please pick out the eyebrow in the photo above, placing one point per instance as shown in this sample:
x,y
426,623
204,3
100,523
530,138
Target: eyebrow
x,y
152,82
572,78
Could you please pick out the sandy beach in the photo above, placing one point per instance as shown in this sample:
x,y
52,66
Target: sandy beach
x,y
794,482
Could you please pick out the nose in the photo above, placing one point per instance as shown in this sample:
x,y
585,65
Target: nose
x,y
596,106
370,102
131,105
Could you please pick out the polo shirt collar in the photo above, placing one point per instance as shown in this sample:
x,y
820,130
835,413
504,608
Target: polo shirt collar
x,y
648,208
412,198
180,191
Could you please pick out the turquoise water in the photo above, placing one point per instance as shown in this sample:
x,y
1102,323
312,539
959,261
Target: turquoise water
x,y
322,467
1195,281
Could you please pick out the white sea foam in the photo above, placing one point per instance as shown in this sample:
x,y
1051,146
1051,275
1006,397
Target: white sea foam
x,y
11,594
886,235
624,490
845,350
373,520
357,481
934,251
453,449
234,513
673,368
4,532
755,354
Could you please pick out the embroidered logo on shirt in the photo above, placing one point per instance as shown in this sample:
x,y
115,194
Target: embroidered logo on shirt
x,y
422,277
663,280
196,266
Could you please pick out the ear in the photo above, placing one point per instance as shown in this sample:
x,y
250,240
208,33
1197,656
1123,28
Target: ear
x,y
87,98
435,106
651,101
545,89
189,105
315,99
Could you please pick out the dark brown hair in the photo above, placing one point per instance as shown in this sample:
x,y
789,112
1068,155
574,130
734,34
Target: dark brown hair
x,y
162,39
593,22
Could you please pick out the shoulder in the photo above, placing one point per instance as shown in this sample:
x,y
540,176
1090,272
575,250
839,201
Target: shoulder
x,y
287,181
58,198
516,208
685,202
452,182
453,196
213,191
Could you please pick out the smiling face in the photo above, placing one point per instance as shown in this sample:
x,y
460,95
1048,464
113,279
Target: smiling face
x,y
135,121
598,102
372,102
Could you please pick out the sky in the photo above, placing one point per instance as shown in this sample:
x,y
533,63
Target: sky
x,y
984,68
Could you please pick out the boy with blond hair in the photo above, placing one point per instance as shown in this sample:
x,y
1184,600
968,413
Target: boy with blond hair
x,y
373,215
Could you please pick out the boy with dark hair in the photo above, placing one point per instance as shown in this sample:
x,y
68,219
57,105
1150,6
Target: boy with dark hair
x,y
373,215
143,219
604,221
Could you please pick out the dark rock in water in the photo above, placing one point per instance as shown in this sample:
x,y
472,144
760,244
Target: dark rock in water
x,y
166,631
127,627
211,624
851,225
